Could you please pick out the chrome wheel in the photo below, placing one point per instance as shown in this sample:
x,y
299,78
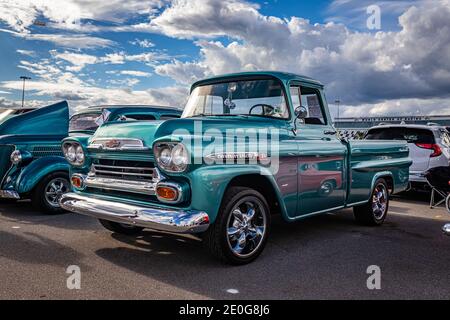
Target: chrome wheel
x,y
54,191
379,201
246,227
446,229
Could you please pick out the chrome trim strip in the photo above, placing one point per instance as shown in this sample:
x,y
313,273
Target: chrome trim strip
x,y
160,219
117,144
9,194
141,187
126,168
137,174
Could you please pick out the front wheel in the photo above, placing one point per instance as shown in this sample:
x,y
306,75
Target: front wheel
x,y
121,228
374,212
48,192
242,227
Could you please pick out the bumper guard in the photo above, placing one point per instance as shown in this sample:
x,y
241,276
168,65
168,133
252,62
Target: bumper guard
x,y
9,194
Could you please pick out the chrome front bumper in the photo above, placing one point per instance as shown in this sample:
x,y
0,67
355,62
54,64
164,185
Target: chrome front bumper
x,y
9,194
169,220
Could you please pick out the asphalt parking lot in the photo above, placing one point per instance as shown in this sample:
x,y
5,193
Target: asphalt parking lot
x,y
324,257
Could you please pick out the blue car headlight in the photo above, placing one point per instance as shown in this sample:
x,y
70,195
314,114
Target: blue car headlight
x,y
20,157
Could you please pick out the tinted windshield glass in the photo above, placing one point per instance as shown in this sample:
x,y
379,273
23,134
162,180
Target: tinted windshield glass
x,y
252,97
84,122
409,134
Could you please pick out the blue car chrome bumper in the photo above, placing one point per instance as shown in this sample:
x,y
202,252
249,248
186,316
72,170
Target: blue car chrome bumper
x,y
169,220
9,194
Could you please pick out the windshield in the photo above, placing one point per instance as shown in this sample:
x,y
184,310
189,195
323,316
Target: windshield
x,y
251,97
84,122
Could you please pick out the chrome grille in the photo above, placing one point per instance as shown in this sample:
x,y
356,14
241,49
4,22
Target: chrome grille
x,y
122,169
45,151
136,177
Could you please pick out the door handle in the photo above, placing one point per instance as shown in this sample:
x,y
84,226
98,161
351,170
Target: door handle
x,y
330,132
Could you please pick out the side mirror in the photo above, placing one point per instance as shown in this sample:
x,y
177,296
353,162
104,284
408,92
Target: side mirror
x,y
301,112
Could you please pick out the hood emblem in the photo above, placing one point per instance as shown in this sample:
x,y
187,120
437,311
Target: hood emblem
x,y
112,144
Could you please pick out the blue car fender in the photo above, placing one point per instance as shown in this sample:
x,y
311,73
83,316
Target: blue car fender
x,y
38,169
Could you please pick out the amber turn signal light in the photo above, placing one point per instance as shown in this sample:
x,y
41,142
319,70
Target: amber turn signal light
x,y
167,193
77,182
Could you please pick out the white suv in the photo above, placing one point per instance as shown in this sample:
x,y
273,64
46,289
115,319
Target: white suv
x,y
429,147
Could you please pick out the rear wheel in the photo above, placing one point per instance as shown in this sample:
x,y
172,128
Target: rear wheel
x,y
242,227
48,192
120,227
374,212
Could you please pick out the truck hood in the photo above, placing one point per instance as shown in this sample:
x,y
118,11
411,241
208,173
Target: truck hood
x,y
143,130
149,131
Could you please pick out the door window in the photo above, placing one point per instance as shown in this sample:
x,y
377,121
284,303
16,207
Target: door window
x,y
310,99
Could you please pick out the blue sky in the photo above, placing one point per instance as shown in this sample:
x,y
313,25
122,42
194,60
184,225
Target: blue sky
x,y
96,52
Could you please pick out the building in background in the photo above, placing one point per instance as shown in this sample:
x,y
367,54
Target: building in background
x,y
355,128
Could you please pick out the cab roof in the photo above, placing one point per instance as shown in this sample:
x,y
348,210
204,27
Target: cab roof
x,y
282,76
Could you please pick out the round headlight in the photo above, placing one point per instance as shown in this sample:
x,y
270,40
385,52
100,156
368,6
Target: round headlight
x,y
74,153
179,156
79,155
16,157
71,154
171,157
165,156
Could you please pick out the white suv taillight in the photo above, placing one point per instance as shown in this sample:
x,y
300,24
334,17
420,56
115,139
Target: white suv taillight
x,y
431,146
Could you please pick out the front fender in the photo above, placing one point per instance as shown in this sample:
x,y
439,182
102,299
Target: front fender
x,y
209,184
30,176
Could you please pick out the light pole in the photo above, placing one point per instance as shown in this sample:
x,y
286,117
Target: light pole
x,y
338,102
23,88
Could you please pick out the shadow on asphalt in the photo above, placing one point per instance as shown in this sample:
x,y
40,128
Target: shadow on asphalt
x,y
321,257
32,248
23,212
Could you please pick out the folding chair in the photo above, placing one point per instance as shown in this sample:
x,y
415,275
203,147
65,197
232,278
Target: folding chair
x,y
436,202
439,181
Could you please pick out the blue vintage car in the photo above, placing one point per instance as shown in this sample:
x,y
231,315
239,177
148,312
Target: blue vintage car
x,y
31,161
248,146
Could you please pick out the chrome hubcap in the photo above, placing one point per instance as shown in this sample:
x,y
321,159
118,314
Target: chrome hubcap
x,y
54,191
246,227
379,201
446,229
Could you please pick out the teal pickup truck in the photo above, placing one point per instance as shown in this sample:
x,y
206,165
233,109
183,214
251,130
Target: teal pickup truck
x,y
248,146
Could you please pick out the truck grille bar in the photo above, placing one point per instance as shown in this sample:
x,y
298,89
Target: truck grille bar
x,y
124,176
